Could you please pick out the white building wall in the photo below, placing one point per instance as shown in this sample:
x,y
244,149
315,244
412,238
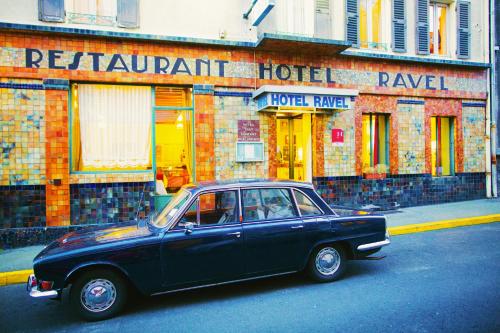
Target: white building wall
x,y
223,19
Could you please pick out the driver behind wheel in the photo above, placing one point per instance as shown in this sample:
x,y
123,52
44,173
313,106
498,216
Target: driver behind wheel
x,y
229,205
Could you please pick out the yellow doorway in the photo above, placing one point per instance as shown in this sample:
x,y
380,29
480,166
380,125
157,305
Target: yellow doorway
x,y
294,146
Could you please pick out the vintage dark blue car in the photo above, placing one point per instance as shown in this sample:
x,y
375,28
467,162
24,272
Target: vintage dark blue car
x,y
210,233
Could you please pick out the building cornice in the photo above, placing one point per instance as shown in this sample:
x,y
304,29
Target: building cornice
x,y
265,42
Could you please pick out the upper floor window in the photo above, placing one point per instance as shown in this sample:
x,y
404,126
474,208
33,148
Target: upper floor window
x,y
369,23
322,19
122,13
99,12
437,28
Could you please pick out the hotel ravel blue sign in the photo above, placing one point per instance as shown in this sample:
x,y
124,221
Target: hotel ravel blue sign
x,y
316,101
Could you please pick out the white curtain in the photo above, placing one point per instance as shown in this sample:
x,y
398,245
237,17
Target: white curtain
x,y
115,126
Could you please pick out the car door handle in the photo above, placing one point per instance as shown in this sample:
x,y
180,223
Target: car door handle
x,y
237,234
297,227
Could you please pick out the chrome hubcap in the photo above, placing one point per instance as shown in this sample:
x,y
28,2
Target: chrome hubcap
x,y
98,295
328,261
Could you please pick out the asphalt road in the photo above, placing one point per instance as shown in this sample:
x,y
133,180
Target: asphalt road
x,y
440,281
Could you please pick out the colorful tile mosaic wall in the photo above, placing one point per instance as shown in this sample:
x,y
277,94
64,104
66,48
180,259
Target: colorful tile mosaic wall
x,y
411,138
228,110
473,120
405,190
318,130
204,138
106,202
339,160
110,203
92,178
20,237
22,129
444,108
272,143
57,150
236,67
22,206
368,104
118,57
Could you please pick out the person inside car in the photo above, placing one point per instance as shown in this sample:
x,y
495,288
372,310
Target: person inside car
x,y
229,203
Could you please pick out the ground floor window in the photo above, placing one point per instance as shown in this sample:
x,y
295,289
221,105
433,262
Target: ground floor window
x,y
442,146
375,143
110,127
173,138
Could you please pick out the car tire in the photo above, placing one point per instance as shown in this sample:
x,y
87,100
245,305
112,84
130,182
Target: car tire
x,y
98,294
327,263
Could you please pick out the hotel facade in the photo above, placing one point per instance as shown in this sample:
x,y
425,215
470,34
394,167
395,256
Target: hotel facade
x,y
108,107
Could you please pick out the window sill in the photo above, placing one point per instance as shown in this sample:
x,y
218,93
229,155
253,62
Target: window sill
x,y
374,176
109,172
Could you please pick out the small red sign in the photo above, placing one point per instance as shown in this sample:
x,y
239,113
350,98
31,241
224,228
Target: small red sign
x,y
337,136
248,130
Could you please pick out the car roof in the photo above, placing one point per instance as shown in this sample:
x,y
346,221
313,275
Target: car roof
x,y
244,182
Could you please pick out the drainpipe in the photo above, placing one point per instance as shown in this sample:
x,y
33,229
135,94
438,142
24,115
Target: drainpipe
x,y
493,96
487,134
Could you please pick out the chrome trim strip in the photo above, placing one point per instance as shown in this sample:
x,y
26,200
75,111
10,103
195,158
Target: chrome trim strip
x,y
201,187
370,246
361,217
222,283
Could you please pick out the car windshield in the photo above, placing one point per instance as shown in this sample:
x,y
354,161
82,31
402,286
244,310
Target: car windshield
x,y
165,216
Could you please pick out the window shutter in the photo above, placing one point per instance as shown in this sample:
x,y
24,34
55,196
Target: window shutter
x,y
323,6
463,29
323,24
128,13
51,10
422,27
398,26
352,22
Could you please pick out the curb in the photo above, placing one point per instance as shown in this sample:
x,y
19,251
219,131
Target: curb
x,y
7,278
444,224
15,277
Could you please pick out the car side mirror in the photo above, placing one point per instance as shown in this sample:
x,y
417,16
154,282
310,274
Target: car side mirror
x,y
188,227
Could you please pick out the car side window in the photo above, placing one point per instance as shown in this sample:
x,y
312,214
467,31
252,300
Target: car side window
x,y
305,205
189,216
212,208
267,204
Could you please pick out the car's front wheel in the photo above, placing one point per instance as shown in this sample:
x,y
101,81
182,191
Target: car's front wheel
x,y
98,294
327,263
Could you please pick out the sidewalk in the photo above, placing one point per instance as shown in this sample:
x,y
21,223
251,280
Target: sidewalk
x,y
405,220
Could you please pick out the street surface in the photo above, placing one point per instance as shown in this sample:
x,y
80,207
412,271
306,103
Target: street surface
x,y
439,281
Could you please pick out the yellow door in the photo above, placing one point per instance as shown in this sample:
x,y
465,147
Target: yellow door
x,y
294,147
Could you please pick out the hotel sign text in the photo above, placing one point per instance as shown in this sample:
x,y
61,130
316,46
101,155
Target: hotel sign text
x,y
303,100
204,66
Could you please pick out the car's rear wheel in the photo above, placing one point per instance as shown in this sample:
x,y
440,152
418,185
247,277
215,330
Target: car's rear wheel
x,y
327,263
98,294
